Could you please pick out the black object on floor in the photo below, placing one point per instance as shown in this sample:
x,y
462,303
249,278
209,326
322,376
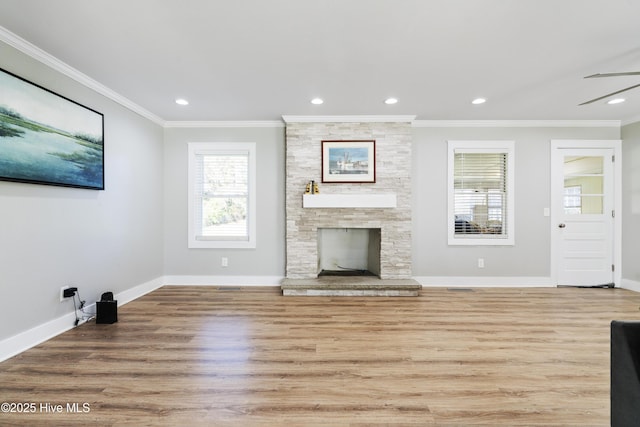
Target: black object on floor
x,y
625,373
106,309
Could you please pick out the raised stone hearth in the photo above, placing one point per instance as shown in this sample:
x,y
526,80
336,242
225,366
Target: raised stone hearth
x,y
350,286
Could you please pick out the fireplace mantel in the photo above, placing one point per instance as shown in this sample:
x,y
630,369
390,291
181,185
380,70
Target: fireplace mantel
x,y
349,201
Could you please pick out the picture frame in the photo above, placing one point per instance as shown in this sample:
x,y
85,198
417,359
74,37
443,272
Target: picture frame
x,y
349,161
46,138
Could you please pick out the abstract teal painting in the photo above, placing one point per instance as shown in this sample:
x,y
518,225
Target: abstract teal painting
x,y
46,138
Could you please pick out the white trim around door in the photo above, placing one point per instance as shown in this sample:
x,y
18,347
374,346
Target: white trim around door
x,y
556,149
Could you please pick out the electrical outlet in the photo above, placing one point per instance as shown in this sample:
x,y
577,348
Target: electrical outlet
x,y
480,262
62,298
224,261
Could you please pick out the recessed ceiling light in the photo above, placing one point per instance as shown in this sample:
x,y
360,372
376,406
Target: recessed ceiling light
x,y
391,101
478,101
616,101
317,101
181,101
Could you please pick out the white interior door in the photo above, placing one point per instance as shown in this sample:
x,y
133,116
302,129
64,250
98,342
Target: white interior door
x,y
583,215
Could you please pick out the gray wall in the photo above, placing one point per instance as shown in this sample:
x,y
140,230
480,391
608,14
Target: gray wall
x,y
268,258
95,240
431,254
631,202
529,257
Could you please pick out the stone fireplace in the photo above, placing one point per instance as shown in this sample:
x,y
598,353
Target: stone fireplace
x,y
384,205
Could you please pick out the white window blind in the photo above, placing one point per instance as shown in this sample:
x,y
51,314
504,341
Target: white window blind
x,y
480,207
221,195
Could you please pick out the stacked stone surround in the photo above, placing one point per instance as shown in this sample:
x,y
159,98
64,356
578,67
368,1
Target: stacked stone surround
x,y
393,175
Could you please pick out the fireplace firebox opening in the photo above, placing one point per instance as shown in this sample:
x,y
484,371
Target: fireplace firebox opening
x,y
349,251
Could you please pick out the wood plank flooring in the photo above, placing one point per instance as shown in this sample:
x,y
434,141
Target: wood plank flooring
x,y
250,357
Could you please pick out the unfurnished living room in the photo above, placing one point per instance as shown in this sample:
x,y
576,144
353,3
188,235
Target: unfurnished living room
x,y
340,213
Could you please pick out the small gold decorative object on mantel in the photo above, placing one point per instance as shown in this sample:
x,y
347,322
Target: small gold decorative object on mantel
x,y
312,188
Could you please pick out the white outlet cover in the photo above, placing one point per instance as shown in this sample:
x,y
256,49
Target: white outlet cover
x,y
62,298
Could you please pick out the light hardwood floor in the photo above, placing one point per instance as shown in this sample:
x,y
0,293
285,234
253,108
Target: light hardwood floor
x,y
205,356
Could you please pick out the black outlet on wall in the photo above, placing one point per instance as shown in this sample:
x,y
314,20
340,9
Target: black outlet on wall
x,y
69,292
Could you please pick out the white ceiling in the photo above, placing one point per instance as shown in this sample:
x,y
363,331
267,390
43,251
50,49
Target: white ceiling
x,y
261,59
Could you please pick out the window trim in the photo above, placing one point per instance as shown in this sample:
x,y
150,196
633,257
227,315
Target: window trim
x,y
197,148
471,146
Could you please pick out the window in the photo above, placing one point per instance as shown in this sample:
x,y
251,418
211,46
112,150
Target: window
x,y
583,185
222,195
480,210
573,199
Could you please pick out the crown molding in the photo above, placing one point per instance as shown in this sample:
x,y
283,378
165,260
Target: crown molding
x,y
348,119
631,120
515,123
49,60
225,124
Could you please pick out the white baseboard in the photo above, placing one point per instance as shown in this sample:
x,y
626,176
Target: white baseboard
x,y
632,285
223,280
30,338
36,335
427,281
138,291
486,282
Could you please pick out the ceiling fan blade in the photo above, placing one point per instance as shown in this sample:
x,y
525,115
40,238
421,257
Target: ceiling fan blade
x,y
610,94
629,73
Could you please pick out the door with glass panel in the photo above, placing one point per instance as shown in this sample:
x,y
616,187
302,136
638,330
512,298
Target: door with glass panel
x,y
583,215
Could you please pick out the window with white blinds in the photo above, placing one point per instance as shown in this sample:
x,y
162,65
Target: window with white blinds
x,y
481,193
222,195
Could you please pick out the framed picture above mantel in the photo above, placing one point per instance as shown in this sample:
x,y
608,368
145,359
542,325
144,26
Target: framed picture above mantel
x,y
46,138
349,161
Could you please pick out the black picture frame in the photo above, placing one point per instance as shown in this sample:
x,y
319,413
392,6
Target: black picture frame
x,y
46,138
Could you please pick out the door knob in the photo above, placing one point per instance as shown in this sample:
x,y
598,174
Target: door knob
x,y
562,225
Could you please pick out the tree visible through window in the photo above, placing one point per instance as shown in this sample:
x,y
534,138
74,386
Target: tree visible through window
x,y
225,193
222,194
